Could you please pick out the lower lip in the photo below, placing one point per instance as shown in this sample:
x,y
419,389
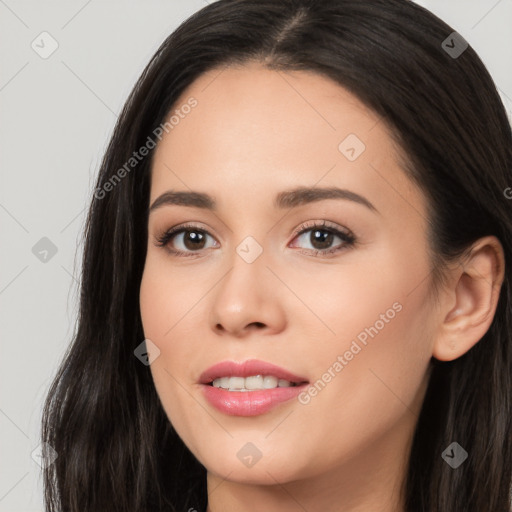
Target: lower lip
x,y
249,403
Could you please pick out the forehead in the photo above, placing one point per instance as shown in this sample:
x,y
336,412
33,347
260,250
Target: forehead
x,y
254,106
253,129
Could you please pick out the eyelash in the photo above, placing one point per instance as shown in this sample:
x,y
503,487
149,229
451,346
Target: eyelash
x,y
348,238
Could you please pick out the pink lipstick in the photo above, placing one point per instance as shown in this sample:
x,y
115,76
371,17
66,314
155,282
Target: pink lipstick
x,y
249,388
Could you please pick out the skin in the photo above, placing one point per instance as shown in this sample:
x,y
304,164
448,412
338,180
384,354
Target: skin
x,y
253,134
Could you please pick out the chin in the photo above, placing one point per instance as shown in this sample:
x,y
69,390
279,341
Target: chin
x,y
234,465
260,474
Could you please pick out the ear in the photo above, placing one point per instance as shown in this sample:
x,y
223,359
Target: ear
x,y
470,302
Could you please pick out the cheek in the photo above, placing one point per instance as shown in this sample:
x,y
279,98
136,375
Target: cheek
x,y
165,297
168,316
376,395
375,299
370,371
167,308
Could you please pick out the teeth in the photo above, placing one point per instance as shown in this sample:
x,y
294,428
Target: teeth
x,y
252,382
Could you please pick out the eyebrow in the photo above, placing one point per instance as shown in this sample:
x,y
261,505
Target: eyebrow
x,y
286,199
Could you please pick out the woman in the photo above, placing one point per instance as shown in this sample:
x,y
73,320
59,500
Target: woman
x,y
295,293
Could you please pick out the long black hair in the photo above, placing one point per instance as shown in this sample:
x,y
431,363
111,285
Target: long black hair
x,y
116,448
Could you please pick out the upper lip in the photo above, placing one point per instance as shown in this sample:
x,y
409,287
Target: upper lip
x,y
246,369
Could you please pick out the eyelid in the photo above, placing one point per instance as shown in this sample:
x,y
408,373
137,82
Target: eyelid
x,y
322,224
298,231
345,234
167,234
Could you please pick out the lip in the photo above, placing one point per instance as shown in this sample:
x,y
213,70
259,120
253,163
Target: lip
x,y
254,402
246,369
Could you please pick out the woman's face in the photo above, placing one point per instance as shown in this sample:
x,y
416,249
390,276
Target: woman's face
x,y
256,280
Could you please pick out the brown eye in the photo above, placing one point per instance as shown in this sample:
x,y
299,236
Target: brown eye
x,y
193,240
184,240
321,238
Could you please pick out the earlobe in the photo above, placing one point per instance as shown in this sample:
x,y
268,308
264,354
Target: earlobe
x,y
476,288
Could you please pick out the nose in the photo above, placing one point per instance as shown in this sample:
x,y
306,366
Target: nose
x,y
248,299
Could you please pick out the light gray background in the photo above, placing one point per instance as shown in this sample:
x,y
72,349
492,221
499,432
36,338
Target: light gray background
x,y
56,116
